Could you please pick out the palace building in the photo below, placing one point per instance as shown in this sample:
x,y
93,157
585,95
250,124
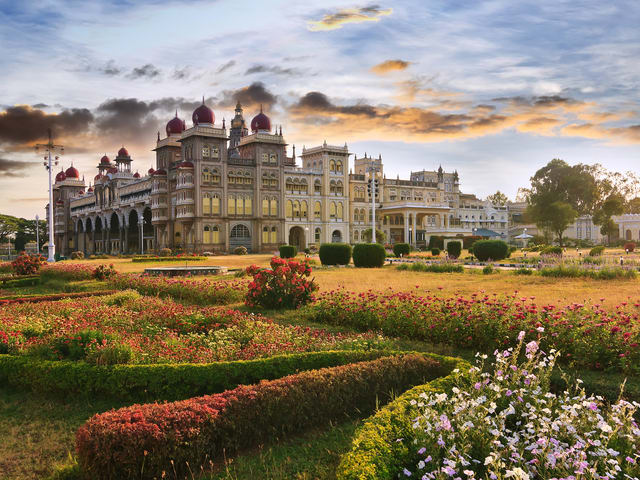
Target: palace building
x,y
214,189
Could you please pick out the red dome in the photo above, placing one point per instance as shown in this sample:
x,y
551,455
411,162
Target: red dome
x,y
97,177
112,170
72,172
123,152
90,190
260,122
185,165
151,171
160,172
175,125
60,177
105,160
203,114
136,175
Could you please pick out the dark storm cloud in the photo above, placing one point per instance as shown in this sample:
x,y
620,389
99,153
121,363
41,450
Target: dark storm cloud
x,y
40,105
145,71
226,66
181,73
254,94
538,101
319,101
275,70
14,168
110,69
22,124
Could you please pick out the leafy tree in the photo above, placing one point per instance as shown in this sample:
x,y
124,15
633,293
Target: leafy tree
x,y
633,205
554,217
8,227
498,198
612,205
380,236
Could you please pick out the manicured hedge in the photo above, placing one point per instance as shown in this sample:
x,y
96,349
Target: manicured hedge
x,y
369,255
401,249
288,251
551,250
435,252
161,381
445,267
143,441
454,248
597,250
335,253
376,453
436,241
185,258
490,250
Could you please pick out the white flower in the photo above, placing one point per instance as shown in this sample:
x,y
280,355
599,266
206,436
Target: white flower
x,y
517,473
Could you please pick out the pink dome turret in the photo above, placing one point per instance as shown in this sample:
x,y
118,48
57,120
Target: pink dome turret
x,y
105,160
175,126
60,177
136,175
72,172
123,152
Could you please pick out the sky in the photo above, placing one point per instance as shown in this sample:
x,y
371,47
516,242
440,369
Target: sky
x,y
491,88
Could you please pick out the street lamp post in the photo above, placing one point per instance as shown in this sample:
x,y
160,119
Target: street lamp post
x,y
37,234
372,178
50,147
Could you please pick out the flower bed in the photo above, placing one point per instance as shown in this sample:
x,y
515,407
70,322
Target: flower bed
x,y
6,267
284,285
143,441
588,336
52,297
126,328
507,424
201,292
69,272
179,258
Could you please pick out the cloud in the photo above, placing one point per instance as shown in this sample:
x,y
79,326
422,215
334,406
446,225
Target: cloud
x,y
226,66
22,124
110,69
317,101
254,94
624,135
275,70
40,105
180,73
145,71
334,21
14,168
390,66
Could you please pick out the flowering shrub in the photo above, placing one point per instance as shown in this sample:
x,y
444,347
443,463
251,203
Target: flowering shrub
x,y
143,441
152,330
27,264
284,285
69,272
177,258
102,272
51,297
201,291
507,424
6,267
588,336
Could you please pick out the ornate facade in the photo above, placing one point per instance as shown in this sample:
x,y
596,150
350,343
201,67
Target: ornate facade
x,y
214,189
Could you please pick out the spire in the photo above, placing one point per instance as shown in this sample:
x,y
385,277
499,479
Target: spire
x,y
203,99
280,130
260,108
158,135
176,113
294,152
223,122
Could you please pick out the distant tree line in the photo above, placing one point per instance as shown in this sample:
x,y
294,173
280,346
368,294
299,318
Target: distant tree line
x,y
21,230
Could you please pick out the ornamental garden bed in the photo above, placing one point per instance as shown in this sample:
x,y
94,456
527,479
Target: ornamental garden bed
x,y
184,258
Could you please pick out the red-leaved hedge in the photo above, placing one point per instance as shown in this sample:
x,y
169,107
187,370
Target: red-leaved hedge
x,y
54,296
145,441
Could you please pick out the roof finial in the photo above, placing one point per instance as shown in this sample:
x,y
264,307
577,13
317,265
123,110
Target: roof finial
x,y
223,122
176,113
203,99
260,108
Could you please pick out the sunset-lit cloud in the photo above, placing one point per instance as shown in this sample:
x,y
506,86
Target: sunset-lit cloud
x,y
390,66
333,21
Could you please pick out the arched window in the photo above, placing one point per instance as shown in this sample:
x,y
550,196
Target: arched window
x,y
339,166
273,207
215,205
240,231
332,210
289,209
317,187
304,213
296,209
265,207
318,234
206,205
247,206
215,176
205,151
215,234
206,237
274,234
339,188
206,176
231,205
332,166
356,235
339,212
289,185
317,211
265,234
332,187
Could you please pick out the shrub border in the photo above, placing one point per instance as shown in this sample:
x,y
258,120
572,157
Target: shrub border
x,y
376,453
164,381
54,297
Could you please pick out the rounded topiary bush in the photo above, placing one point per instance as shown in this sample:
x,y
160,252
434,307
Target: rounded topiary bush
x,y
597,250
368,255
77,255
288,251
401,249
335,253
490,249
552,250
165,252
240,250
454,249
435,252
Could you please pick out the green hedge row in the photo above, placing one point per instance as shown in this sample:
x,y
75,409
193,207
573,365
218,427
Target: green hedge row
x,y
168,259
369,255
376,452
164,381
401,249
335,253
144,441
490,250
288,251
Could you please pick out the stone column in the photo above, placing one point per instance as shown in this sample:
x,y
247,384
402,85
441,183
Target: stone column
x,y
405,216
415,230
140,236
